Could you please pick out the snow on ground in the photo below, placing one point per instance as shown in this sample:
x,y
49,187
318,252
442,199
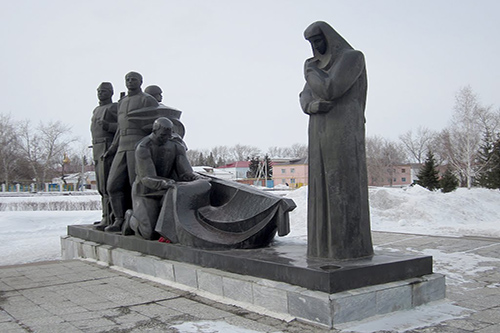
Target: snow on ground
x,y
474,212
31,226
403,321
35,236
415,210
460,267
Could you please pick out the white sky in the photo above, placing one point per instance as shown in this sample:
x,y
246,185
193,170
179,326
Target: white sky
x,y
235,67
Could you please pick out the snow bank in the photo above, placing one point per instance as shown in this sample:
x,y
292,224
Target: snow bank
x,y
416,210
474,212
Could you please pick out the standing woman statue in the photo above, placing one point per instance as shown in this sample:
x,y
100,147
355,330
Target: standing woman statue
x,y
334,97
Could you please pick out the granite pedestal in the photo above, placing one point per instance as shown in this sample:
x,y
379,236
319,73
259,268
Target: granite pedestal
x,y
280,279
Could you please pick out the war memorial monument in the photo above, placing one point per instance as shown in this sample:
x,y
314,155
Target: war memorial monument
x,y
216,236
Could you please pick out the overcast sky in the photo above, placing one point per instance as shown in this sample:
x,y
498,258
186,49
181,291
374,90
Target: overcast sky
x,y
235,67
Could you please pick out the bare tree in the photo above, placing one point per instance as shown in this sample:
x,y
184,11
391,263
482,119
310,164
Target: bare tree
x,y
192,156
29,143
44,147
80,157
275,152
222,155
299,150
489,121
460,142
382,157
376,170
243,152
8,149
417,145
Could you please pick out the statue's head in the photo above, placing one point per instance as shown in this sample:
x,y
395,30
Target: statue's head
x,y
325,42
154,91
133,80
318,43
315,35
104,91
162,129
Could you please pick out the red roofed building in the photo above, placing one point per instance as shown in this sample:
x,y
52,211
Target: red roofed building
x,y
238,169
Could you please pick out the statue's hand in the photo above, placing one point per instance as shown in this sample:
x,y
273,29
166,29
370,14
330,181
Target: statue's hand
x,y
165,184
320,107
191,176
104,155
108,153
311,63
104,124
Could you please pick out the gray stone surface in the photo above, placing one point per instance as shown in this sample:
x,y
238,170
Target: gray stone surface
x,y
355,308
164,270
281,262
273,298
237,289
146,265
90,295
210,281
432,291
386,299
186,274
311,305
310,308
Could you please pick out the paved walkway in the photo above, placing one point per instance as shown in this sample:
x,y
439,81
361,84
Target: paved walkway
x,y
79,296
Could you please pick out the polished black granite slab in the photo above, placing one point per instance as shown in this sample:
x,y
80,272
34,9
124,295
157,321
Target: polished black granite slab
x,y
283,261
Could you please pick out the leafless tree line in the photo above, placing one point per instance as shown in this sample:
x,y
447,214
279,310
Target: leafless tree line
x,y
222,155
457,146
34,154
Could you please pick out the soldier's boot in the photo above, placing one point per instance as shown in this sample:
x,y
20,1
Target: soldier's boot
x,y
118,205
106,212
126,228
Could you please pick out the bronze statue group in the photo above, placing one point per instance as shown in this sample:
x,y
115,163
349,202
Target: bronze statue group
x,y
148,186
141,163
137,120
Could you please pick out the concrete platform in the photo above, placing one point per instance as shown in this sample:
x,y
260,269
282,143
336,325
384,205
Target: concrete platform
x,y
282,262
277,298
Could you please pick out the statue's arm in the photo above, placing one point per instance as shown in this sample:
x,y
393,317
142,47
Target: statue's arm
x,y
113,147
146,170
306,98
310,105
112,118
157,183
112,127
345,73
316,79
333,84
183,167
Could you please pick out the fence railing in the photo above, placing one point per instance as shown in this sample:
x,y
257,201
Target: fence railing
x,y
47,187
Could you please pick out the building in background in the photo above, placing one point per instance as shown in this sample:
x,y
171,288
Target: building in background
x,y
292,173
396,175
238,169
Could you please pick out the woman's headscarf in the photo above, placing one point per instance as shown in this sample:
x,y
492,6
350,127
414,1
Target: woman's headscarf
x,y
335,43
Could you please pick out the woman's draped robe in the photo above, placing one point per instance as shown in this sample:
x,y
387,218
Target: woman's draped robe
x,y
338,208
